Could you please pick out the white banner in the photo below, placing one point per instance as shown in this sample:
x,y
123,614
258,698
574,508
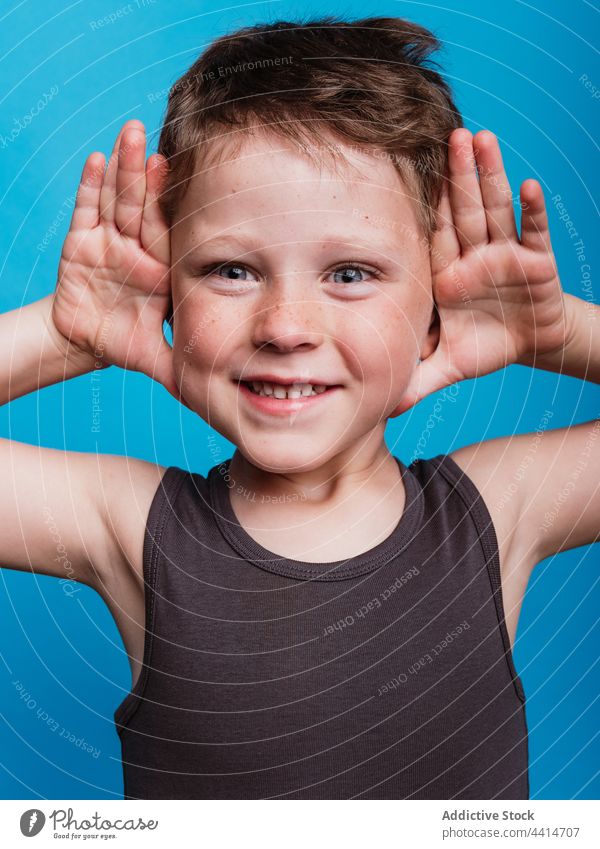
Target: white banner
x,y
301,824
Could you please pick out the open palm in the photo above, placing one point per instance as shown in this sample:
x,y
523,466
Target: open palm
x,y
113,291
498,295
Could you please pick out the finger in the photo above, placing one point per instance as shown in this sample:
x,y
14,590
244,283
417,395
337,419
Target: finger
x,y
494,187
131,180
154,231
465,194
534,219
445,247
109,185
86,213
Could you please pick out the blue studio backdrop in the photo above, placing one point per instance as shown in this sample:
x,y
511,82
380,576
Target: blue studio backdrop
x,y
526,71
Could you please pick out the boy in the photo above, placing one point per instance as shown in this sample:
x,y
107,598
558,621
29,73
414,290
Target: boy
x,y
314,619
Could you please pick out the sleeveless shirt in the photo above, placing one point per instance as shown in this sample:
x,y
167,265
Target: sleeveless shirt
x,y
388,675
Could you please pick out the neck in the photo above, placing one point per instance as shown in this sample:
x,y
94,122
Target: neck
x,y
369,464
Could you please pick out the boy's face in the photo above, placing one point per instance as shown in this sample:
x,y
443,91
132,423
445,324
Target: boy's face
x,y
285,303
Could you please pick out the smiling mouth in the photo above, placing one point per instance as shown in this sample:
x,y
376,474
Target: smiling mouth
x,y
288,391
276,392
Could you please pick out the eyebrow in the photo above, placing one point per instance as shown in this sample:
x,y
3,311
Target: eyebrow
x,y
346,240
245,244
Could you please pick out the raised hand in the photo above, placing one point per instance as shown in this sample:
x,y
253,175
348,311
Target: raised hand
x,y
114,292
498,295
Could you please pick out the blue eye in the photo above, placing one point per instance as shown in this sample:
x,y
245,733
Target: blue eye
x,y
352,274
237,269
347,274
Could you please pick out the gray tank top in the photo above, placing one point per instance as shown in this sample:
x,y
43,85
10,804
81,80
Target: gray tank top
x,y
385,676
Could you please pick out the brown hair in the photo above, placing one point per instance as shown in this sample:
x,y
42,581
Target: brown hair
x,y
366,82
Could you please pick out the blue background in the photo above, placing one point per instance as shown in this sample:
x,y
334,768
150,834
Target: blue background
x,y
515,70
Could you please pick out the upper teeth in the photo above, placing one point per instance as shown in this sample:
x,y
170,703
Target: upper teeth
x,y
294,390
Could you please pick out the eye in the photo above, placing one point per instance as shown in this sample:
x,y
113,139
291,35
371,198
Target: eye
x,y
345,275
234,271
353,273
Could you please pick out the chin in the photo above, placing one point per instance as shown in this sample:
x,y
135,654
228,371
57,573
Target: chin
x,y
285,456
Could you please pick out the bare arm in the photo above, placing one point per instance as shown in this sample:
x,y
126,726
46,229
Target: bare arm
x,y
501,302
551,478
68,514
72,514
33,354
561,507
543,487
580,355
42,491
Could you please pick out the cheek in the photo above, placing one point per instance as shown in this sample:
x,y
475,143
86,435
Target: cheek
x,y
384,342
204,329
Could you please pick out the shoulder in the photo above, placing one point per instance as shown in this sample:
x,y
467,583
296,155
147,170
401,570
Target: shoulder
x,y
493,466
125,490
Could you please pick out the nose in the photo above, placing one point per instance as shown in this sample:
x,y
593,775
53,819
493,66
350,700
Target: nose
x,y
287,320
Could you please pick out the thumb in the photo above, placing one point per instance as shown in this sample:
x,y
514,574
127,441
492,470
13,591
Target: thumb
x,y
430,375
159,365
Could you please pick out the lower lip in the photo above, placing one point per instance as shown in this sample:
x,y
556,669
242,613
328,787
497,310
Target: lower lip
x,y
284,406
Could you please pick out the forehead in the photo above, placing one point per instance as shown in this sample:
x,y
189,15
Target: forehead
x,y
263,176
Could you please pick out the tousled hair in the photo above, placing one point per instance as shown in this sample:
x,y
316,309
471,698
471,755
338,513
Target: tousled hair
x,y
368,83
